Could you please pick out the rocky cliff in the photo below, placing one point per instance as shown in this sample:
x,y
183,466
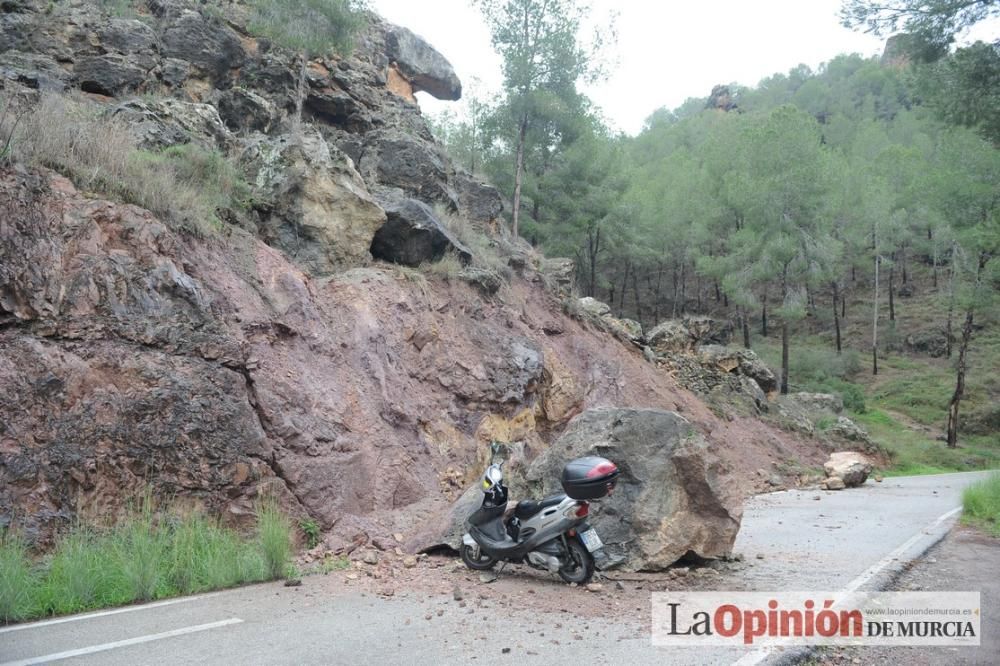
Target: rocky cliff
x,y
288,351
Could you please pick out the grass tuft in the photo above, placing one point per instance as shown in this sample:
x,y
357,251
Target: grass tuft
x,y
274,532
186,186
981,504
17,579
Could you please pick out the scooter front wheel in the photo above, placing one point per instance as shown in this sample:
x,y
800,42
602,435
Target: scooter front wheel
x,y
578,565
481,563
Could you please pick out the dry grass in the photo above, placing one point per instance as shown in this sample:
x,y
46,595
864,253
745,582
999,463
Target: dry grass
x,y
183,185
487,253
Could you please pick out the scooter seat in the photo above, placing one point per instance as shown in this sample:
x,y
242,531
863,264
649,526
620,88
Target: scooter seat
x,y
528,508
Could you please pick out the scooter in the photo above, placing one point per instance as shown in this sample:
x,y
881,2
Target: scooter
x,y
551,534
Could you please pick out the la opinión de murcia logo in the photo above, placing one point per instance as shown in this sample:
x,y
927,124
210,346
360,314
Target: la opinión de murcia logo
x,y
816,618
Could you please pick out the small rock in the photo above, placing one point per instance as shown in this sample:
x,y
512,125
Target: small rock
x,y
457,593
595,587
293,582
835,483
398,537
504,650
409,561
760,556
619,586
352,576
386,591
817,497
371,557
487,577
878,478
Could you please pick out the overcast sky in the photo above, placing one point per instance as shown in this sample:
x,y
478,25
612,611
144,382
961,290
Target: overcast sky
x,y
667,50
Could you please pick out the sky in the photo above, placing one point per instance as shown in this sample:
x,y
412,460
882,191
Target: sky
x,y
667,51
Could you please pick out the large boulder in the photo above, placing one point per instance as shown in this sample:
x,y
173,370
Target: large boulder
x,y
423,66
743,362
243,109
169,122
111,74
414,165
932,342
477,201
34,71
320,213
206,43
560,273
687,334
673,498
594,307
850,466
413,235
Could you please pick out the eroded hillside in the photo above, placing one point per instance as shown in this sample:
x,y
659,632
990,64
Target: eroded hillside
x,y
271,350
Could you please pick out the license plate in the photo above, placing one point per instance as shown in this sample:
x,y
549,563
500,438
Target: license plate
x,y
590,540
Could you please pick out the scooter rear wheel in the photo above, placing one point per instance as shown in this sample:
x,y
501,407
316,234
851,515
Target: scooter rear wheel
x,y
579,565
482,563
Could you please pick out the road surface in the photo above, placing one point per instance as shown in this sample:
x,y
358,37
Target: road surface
x,y
857,538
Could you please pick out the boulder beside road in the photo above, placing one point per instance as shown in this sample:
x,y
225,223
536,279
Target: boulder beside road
x,y
850,467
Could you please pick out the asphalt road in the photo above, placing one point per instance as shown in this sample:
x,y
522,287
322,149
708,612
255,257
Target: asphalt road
x,y
850,539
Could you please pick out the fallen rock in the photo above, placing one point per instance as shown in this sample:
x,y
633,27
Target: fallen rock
x,y
594,307
409,561
851,431
456,593
595,587
741,361
688,334
851,467
834,483
673,497
370,557
412,235
819,402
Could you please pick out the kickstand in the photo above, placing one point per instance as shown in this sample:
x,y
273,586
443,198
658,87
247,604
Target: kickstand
x,y
496,575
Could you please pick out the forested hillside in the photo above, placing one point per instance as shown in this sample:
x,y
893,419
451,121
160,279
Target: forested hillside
x,y
837,215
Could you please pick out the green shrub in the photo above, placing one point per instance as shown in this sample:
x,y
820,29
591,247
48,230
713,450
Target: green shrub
x,y
981,504
17,579
310,528
274,531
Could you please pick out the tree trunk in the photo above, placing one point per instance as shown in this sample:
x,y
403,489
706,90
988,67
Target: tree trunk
x,y
745,321
673,300
902,263
951,306
656,297
621,301
763,316
522,132
683,289
593,248
784,356
963,349
784,332
875,322
718,292
892,302
635,293
836,318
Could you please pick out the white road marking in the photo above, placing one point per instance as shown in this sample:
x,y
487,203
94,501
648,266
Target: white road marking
x,y
89,616
103,647
760,654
